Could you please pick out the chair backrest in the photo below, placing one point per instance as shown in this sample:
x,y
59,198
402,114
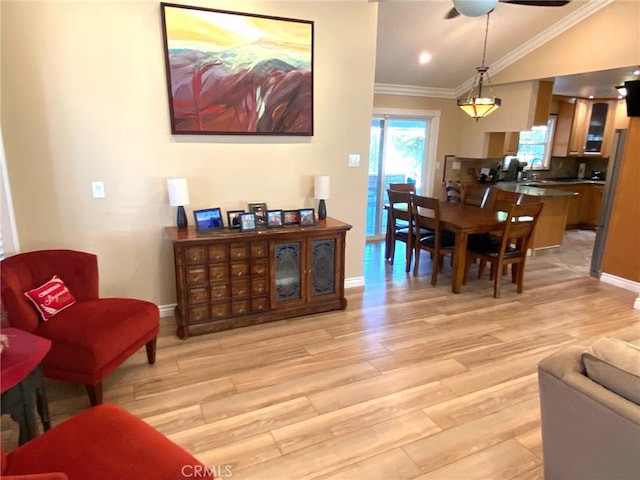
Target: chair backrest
x,y
403,187
426,213
25,271
501,200
475,195
452,191
519,226
400,205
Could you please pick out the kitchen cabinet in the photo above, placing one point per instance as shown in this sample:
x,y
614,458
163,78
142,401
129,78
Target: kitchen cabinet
x,y
503,143
591,206
232,279
584,127
584,206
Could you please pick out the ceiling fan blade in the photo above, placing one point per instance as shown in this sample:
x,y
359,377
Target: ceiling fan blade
x,y
453,13
538,3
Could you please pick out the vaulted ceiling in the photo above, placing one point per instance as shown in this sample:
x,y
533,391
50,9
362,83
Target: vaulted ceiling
x,y
408,28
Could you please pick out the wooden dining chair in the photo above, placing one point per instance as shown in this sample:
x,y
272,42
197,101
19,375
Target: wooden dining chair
x,y
452,191
403,187
498,199
511,249
475,195
403,228
426,215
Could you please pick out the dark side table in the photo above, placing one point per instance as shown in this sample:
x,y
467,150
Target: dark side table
x,y
22,381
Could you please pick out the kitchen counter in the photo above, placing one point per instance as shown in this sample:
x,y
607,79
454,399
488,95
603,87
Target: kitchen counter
x,y
549,231
528,189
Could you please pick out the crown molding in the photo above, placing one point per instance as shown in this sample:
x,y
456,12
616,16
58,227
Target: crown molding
x,y
412,91
589,8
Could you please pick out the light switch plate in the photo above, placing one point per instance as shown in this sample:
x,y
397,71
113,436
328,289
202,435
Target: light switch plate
x,y
97,188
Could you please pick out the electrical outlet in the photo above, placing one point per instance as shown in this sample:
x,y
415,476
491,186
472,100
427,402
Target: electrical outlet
x,y
97,188
354,160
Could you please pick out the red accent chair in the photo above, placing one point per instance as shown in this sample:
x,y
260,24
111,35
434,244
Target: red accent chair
x,y
103,442
90,338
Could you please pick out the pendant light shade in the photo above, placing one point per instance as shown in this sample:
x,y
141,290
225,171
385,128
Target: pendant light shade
x,y
475,104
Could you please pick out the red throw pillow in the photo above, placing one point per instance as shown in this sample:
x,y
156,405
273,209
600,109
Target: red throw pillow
x,y
51,298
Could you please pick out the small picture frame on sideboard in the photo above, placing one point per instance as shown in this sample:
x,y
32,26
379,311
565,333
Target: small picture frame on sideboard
x,y
274,219
291,217
233,218
248,222
307,217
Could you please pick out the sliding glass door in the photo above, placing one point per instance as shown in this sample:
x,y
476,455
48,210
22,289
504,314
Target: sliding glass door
x,y
396,155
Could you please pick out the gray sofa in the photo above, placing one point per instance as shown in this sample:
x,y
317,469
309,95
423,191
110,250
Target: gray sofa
x,y
588,431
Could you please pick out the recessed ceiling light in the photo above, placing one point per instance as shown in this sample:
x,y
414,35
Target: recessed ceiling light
x,y
590,97
424,57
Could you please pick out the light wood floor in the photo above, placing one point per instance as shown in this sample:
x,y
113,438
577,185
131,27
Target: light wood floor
x,y
410,382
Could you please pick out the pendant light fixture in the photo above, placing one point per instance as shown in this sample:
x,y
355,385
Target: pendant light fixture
x,y
474,104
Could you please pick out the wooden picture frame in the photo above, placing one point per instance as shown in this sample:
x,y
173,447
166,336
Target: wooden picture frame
x,y
307,217
260,209
291,217
248,222
275,219
233,218
234,73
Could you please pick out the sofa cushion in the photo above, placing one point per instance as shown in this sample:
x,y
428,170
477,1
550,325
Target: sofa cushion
x,y
51,297
615,365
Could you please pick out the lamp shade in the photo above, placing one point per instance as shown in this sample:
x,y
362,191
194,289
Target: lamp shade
x,y
178,192
321,187
474,8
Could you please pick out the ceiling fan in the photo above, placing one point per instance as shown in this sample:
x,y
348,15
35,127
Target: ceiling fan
x,y
477,8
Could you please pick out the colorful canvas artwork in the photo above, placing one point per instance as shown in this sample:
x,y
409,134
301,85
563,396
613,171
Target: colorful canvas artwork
x,y
238,73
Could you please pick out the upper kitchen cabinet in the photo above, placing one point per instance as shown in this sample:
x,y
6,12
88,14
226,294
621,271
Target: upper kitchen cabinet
x,y
503,143
584,127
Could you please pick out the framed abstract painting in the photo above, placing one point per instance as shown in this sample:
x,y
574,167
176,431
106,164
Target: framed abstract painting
x,y
231,73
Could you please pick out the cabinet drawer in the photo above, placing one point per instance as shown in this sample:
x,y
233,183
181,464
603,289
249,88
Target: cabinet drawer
x,y
218,253
240,307
218,272
194,255
259,286
198,314
218,292
239,269
259,304
259,266
198,295
196,275
259,249
220,310
238,251
240,289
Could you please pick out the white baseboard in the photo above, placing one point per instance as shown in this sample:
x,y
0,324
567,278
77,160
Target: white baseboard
x,y
354,282
622,283
167,310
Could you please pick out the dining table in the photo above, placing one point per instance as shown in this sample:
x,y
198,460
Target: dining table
x,y
463,220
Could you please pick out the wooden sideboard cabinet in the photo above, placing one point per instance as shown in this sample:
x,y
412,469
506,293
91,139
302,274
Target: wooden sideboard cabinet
x,y
231,279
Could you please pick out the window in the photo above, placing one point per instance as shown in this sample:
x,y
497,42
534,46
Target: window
x,y
534,146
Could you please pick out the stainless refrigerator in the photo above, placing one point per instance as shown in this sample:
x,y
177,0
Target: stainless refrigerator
x,y
613,170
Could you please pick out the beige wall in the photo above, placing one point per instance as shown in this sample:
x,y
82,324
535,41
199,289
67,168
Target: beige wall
x,y
84,98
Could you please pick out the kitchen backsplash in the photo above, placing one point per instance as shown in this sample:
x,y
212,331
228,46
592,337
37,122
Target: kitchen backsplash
x,y
561,167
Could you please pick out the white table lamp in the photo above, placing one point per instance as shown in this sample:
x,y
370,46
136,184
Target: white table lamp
x,y
179,197
321,192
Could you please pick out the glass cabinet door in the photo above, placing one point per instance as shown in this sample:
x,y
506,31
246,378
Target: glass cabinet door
x,y
595,131
288,272
323,267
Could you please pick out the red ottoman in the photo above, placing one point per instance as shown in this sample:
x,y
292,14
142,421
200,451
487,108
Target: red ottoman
x,y
104,442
